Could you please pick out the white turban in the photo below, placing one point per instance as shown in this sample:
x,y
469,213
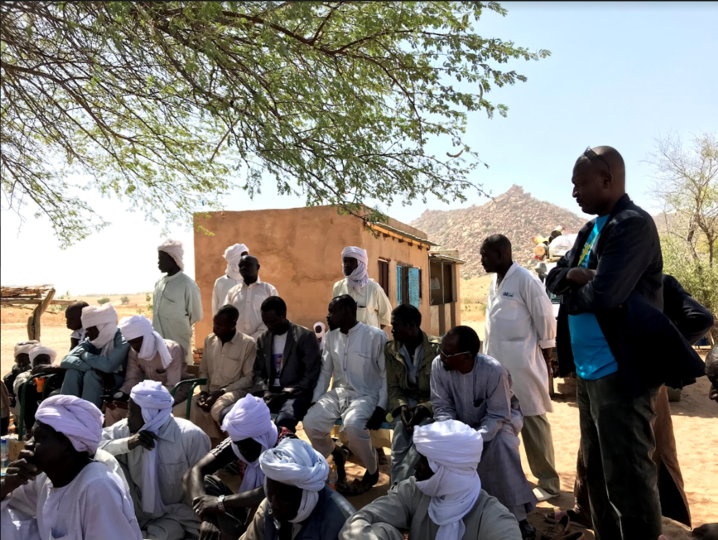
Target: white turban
x,y
37,351
360,276
156,404
24,347
152,343
250,419
296,463
77,419
174,249
320,335
104,318
454,451
232,255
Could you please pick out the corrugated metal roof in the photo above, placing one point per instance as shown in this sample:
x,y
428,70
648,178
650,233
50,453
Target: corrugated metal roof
x,y
399,232
447,258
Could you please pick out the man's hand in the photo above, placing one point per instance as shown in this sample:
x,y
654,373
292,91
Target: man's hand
x,y
580,276
19,473
548,358
107,379
212,398
209,531
205,505
377,419
407,414
145,439
272,399
44,368
420,414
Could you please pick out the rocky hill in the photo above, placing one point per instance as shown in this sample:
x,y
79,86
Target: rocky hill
x,y
515,213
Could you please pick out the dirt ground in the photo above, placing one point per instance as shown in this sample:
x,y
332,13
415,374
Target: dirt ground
x,y
695,420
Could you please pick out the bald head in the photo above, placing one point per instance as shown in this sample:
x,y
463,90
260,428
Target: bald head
x,y
496,254
599,180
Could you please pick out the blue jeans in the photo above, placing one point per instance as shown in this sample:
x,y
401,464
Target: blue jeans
x,y
87,385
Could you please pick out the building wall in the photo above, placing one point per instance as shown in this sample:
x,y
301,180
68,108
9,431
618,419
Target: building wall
x,y
299,251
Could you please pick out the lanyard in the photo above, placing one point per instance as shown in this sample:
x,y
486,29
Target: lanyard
x,y
587,249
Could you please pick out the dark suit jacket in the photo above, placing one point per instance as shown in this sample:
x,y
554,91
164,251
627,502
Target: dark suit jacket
x,y
301,364
626,295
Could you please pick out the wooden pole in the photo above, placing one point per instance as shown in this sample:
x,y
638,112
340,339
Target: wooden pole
x,y
33,323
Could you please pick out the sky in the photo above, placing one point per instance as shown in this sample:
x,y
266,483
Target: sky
x,y
620,74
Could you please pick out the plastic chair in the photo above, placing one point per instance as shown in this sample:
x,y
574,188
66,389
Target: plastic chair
x,y
22,393
195,383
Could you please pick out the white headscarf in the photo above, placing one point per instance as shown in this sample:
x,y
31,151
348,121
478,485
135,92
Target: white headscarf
x,y
174,249
232,255
360,276
294,462
320,335
156,404
454,451
104,318
152,343
37,351
24,347
250,419
77,419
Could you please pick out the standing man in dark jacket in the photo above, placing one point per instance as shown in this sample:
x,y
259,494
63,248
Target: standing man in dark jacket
x,y
612,299
287,366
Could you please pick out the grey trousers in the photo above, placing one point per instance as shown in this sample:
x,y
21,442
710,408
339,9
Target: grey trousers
x,y
403,452
617,442
538,442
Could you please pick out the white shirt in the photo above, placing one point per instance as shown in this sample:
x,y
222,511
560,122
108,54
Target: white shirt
x,y
356,360
278,344
96,504
248,300
519,324
373,306
221,287
176,306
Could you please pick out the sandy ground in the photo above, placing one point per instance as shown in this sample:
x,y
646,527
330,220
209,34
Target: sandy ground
x,y
695,421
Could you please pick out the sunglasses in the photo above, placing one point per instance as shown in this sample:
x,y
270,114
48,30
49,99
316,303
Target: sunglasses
x,y
445,356
593,156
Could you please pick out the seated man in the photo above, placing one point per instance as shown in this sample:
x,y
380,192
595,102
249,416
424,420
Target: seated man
x,y
227,365
22,364
475,389
151,358
56,489
223,513
155,449
41,359
300,505
287,366
73,320
354,355
247,297
443,500
97,365
408,378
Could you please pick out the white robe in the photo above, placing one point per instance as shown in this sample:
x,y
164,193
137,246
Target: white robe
x,y
519,324
181,444
373,306
248,301
95,505
221,287
176,306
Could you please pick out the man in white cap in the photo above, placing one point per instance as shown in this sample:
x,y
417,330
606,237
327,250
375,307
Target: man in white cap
x,y
155,449
354,356
97,365
176,303
150,358
57,490
22,365
41,360
299,504
444,499
373,306
247,296
231,276
251,432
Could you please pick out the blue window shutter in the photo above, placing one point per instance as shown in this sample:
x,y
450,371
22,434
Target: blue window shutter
x,y
414,286
398,285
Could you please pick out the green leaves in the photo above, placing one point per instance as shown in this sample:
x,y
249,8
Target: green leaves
x,y
168,104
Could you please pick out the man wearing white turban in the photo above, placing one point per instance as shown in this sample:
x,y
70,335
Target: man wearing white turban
x,y
41,360
97,365
176,303
22,364
155,449
151,358
231,276
444,501
57,490
247,296
299,501
251,432
373,306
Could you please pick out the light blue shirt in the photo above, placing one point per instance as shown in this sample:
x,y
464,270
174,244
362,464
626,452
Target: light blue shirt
x,y
591,353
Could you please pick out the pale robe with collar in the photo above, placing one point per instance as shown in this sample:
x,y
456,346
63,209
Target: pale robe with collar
x,y
221,287
181,444
95,505
176,306
373,306
248,300
519,324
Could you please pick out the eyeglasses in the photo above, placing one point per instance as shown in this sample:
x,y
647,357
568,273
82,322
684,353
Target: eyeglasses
x,y
445,356
593,156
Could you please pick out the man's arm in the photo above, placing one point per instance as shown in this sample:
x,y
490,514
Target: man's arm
x,y
133,374
261,377
629,249
176,368
216,300
556,279
541,312
383,307
113,361
311,358
395,509
73,359
498,410
203,366
193,306
397,397
378,353
193,480
325,375
246,375
441,399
